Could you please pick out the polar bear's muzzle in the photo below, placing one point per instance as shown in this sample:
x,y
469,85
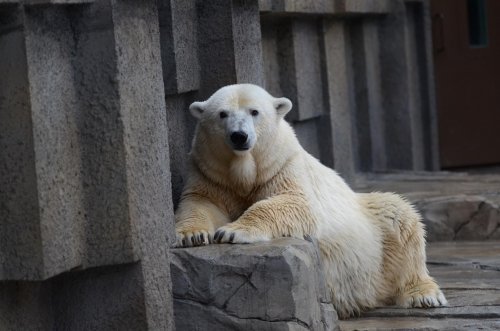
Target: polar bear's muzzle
x,y
239,140
240,131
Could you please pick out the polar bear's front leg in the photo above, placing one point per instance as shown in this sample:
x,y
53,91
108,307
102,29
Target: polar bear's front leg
x,y
196,221
285,215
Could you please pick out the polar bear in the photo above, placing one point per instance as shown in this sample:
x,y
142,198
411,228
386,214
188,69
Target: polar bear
x,y
250,181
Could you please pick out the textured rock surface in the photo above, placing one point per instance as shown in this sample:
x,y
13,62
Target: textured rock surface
x,y
468,273
267,286
85,199
459,217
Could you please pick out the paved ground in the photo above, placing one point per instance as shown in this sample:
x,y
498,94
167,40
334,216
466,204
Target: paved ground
x,y
468,273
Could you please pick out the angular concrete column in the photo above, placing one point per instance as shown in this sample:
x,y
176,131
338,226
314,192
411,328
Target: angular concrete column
x,y
229,43
85,201
43,228
294,68
20,236
370,124
407,104
179,45
339,96
299,71
142,110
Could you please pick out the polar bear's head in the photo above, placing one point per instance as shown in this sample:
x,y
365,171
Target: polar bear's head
x,y
241,115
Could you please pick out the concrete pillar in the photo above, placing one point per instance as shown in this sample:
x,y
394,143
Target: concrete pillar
x,y
340,98
179,45
85,194
229,44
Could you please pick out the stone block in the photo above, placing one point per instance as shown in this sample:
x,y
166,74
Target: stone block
x,y
301,6
56,2
143,114
339,87
47,155
109,298
106,298
307,133
271,55
308,70
459,217
181,127
20,237
26,306
105,193
86,167
363,6
268,286
298,72
326,7
406,101
369,113
179,45
229,44
482,224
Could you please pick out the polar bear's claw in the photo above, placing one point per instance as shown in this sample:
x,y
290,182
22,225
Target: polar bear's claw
x,y
218,235
192,238
423,295
235,233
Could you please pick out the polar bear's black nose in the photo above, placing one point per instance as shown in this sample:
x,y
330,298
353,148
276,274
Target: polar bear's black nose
x,y
238,138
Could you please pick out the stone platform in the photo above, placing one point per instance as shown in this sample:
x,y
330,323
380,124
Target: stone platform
x,y
469,274
278,286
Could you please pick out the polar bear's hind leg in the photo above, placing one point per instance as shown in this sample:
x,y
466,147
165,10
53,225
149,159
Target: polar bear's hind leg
x,y
404,251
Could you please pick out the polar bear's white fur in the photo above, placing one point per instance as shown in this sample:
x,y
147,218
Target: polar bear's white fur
x,y
250,180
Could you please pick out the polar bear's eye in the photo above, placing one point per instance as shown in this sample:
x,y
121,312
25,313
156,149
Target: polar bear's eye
x,y
254,112
222,114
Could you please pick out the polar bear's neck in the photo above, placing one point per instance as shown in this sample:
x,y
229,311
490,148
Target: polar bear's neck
x,y
272,155
243,171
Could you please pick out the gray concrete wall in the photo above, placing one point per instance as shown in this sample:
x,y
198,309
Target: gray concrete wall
x,y
85,193
360,76
94,130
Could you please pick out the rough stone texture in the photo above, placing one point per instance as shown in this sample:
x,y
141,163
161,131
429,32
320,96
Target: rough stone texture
x,y
459,217
299,68
146,141
180,131
340,100
19,208
101,132
85,198
404,99
229,44
56,2
269,286
329,7
179,43
108,298
368,96
373,74
469,275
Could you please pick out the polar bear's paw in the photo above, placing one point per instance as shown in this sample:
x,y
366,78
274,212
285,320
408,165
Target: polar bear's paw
x,y
189,237
238,234
423,295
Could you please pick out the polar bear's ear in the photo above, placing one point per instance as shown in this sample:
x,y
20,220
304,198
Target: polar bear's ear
x,y
197,108
282,106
